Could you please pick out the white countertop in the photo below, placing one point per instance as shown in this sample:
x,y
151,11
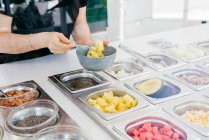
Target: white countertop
x,y
39,70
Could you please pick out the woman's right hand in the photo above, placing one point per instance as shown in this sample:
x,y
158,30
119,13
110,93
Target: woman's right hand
x,y
57,43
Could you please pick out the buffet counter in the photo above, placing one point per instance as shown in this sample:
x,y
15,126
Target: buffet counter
x,y
41,69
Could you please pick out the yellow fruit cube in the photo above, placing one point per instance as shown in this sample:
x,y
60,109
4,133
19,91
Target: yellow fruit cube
x,y
98,107
99,45
108,96
92,102
110,109
101,102
116,101
121,107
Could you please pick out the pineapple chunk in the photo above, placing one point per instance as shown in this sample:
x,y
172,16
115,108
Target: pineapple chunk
x,y
92,101
99,45
98,107
110,103
101,102
96,51
110,109
108,97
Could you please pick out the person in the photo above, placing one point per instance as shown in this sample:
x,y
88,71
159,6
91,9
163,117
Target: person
x,y
14,47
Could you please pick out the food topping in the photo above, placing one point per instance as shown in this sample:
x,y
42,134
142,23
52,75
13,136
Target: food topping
x,y
186,54
110,103
96,51
150,86
19,98
150,131
121,73
197,117
195,79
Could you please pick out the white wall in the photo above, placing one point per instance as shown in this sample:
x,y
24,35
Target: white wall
x,y
139,17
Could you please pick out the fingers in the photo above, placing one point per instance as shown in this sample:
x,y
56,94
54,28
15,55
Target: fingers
x,y
58,52
63,38
63,46
105,42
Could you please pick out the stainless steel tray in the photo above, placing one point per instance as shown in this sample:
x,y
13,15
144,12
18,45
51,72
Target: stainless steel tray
x,y
165,51
180,107
170,61
153,116
119,91
189,69
204,45
204,64
129,66
63,119
65,77
183,90
207,95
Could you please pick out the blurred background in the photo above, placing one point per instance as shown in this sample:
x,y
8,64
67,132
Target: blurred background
x,y
140,17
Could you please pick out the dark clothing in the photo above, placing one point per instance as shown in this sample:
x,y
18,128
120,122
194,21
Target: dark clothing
x,y
72,7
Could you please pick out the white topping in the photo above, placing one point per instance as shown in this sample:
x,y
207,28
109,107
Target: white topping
x,y
121,73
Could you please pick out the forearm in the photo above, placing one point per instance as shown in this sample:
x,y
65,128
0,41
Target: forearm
x,y
17,44
5,23
81,34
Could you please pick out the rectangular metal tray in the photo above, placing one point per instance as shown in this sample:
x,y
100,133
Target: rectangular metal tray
x,y
65,119
151,116
204,45
62,78
203,64
175,72
180,107
183,90
165,51
206,95
130,66
167,58
120,91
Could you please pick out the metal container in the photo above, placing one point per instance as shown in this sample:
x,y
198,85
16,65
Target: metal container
x,y
130,67
188,60
16,136
178,109
1,133
66,78
158,118
207,95
167,84
161,61
204,45
118,91
62,132
29,90
156,122
9,103
192,70
203,64
36,108
162,44
62,117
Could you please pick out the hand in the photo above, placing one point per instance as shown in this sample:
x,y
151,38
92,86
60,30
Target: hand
x,y
106,42
57,43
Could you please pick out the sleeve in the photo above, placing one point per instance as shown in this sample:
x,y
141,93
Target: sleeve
x,y
83,3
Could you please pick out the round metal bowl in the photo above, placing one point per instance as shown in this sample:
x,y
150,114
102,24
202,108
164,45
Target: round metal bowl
x,y
62,132
30,94
36,108
1,133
